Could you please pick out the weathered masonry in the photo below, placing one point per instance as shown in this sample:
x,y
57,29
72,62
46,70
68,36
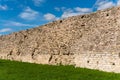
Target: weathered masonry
x,y
109,62
88,41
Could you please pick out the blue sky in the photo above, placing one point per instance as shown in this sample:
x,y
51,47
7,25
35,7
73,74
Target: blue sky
x,y
16,15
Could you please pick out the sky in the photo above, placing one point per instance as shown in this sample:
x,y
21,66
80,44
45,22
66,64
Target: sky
x,y
17,15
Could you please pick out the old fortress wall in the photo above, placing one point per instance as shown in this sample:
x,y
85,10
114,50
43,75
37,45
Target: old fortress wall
x,y
105,61
88,41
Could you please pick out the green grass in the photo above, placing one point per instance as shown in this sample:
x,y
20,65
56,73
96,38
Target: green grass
x,y
12,70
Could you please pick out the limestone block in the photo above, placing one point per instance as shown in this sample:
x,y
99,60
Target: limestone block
x,y
42,59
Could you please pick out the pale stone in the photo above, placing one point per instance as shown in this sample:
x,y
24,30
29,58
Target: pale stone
x,y
90,41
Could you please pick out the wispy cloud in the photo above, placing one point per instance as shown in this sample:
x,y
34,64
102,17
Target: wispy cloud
x,y
57,8
5,30
38,2
16,24
104,4
3,7
29,14
118,2
68,12
83,10
50,17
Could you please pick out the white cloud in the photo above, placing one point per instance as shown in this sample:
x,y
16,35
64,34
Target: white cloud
x,y
57,9
67,14
17,24
61,9
50,17
75,11
3,7
38,2
29,14
104,4
83,10
118,2
5,30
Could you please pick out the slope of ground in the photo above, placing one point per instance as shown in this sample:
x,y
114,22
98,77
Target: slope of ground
x,y
11,70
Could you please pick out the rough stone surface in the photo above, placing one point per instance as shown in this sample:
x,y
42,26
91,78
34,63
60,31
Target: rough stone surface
x,y
109,62
70,41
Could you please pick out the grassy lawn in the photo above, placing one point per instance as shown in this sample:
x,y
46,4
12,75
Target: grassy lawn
x,y
12,70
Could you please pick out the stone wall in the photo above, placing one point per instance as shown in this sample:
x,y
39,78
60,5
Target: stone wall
x,y
65,41
109,62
